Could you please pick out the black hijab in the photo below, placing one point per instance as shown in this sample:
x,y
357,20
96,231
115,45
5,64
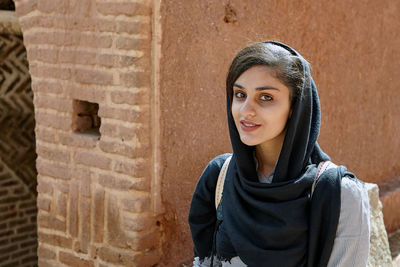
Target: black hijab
x,y
278,224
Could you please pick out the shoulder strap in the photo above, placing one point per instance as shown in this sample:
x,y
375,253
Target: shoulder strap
x,y
221,181
322,166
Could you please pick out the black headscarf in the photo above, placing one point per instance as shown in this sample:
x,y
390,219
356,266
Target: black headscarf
x,y
277,224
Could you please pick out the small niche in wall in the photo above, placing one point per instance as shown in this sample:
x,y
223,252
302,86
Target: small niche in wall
x,y
85,118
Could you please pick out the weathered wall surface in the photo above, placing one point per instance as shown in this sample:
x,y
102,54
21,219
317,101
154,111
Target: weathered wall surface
x,y
91,70
354,50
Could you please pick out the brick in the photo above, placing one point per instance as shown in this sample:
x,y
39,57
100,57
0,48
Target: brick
x,y
66,39
43,86
85,224
45,253
128,115
6,233
43,203
93,160
22,8
133,168
93,77
79,8
17,222
7,216
19,238
19,190
30,259
27,204
131,98
55,154
77,57
136,205
116,61
10,199
138,222
115,235
56,121
132,43
98,223
120,257
52,169
53,6
44,55
8,249
91,93
56,103
27,228
144,240
46,263
78,140
96,40
20,253
125,150
133,27
47,71
122,8
62,186
85,184
4,258
73,209
74,261
3,192
55,240
61,205
44,187
48,221
116,182
109,129
117,256
29,243
149,258
45,135
36,21
135,79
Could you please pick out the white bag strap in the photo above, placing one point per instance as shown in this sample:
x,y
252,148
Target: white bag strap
x,y
322,166
220,182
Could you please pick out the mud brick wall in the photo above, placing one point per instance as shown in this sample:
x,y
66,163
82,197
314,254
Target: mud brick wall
x,y
18,239
90,63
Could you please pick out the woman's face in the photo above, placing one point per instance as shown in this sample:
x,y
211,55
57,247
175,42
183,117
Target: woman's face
x,y
260,107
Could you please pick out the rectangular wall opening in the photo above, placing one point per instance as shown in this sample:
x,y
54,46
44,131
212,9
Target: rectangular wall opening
x,y
85,118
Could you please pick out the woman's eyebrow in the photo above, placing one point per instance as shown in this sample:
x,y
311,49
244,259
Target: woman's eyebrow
x,y
261,88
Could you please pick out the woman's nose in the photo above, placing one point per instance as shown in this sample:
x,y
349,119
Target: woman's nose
x,y
248,109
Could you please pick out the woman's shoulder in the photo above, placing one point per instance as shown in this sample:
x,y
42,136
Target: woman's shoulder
x,y
351,187
210,174
217,162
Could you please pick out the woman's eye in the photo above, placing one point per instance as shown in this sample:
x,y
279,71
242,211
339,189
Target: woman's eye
x,y
266,98
239,95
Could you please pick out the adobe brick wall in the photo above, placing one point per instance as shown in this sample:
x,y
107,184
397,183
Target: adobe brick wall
x,y
94,187
18,239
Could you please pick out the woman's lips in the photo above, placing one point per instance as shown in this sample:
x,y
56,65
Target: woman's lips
x,y
249,126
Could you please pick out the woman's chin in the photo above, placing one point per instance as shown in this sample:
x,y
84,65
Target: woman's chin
x,y
249,142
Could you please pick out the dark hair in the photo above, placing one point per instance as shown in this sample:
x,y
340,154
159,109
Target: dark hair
x,y
285,66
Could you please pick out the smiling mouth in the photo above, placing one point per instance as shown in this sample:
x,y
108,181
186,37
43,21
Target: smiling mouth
x,y
248,126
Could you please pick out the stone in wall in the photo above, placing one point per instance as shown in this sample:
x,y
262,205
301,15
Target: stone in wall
x,y
379,253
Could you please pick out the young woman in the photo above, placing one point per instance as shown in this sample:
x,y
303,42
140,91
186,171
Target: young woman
x,y
269,215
